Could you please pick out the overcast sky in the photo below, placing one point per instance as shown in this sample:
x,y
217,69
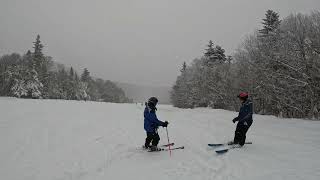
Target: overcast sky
x,y
136,41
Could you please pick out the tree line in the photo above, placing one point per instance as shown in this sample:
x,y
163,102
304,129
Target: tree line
x,y
35,75
279,65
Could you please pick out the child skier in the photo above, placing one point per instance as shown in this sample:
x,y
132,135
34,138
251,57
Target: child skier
x,y
151,124
244,120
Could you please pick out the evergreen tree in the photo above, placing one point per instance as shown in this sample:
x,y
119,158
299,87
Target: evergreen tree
x,y
269,45
33,85
270,23
184,67
36,76
180,92
25,83
210,53
71,85
76,76
71,73
63,80
41,65
85,76
38,56
7,67
28,60
219,55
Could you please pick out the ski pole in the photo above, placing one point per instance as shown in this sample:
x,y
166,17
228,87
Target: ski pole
x,y
168,141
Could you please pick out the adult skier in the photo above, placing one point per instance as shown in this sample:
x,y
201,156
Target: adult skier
x,y
151,124
244,120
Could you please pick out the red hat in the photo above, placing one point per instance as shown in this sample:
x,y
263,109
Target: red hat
x,y
243,95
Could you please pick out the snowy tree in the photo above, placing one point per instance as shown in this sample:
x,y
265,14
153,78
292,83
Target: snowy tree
x,y
283,66
82,91
180,93
33,85
85,76
278,65
184,67
7,63
71,74
25,83
18,89
202,84
210,52
270,24
38,56
219,54
35,75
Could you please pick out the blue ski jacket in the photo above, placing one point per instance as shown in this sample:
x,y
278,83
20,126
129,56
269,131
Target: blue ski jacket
x,y
245,113
151,122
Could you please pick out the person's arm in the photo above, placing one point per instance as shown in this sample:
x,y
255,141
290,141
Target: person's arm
x,y
236,118
154,119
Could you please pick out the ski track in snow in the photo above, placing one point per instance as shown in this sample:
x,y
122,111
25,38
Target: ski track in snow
x,y
63,140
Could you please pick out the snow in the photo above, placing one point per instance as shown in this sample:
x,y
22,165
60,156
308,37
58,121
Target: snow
x,y
60,140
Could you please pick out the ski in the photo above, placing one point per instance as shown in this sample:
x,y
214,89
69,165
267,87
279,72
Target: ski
x,y
215,145
224,144
181,147
164,145
166,149
222,151
167,145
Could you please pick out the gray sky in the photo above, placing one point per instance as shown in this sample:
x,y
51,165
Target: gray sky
x,y
136,41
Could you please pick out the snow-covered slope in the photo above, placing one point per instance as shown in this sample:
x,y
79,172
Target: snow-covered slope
x,y
62,140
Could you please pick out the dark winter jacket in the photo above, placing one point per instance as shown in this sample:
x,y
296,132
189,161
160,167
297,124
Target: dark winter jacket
x,y
151,122
245,113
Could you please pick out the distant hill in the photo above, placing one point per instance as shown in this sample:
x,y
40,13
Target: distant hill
x,y
140,93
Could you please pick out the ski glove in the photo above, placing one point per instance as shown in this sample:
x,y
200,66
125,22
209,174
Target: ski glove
x,y
165,124
235,119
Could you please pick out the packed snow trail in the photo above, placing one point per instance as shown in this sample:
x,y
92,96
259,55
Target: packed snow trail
x,y
62,140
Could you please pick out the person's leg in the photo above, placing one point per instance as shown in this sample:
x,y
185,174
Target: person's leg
x,y
148,140
237,134
244,130
155,139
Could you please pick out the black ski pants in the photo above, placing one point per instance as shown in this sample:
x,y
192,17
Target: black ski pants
x,y
240,133
152,138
